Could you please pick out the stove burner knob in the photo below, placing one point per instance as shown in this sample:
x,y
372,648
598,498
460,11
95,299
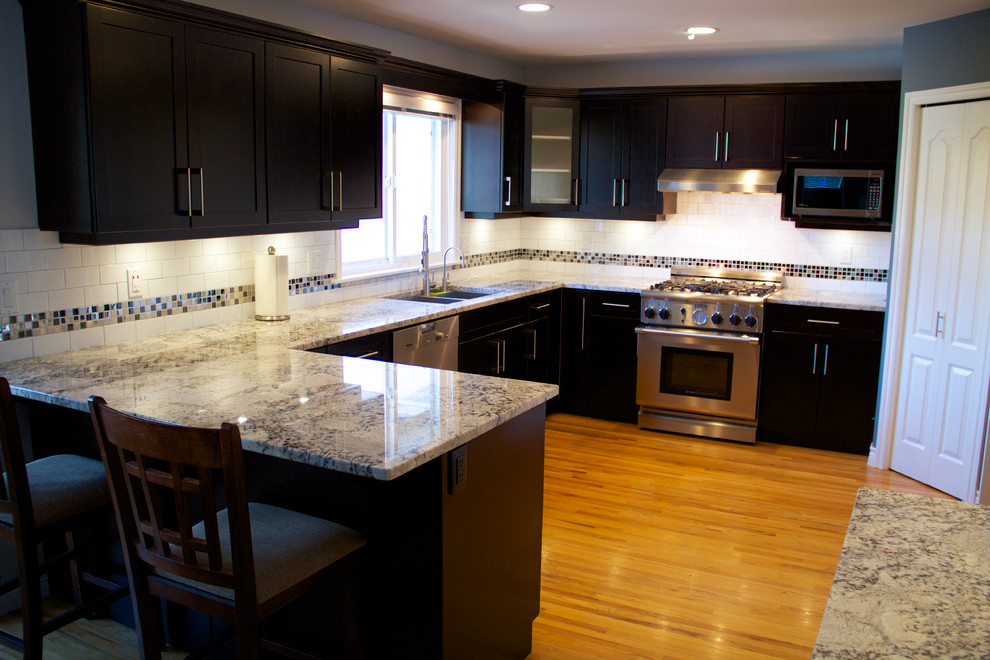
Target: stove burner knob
x,y
664,313
734,319
716,318
699,316
750,321
650,312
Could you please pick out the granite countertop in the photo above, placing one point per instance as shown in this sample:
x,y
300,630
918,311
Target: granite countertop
x,y
869,302
913,581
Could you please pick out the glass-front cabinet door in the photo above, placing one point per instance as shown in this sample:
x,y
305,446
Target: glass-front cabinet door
x,y
551,155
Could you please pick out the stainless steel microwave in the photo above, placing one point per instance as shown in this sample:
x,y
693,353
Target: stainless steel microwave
x,y
837,193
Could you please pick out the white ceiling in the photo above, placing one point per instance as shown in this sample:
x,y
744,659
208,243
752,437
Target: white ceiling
x,y
599,30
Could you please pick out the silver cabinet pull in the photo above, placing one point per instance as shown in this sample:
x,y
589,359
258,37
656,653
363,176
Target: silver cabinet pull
x,y
726,159
814,360
823,322
368,355
504,352
845,141
532,333
623,189
577,185
508,191
539,307
614,183
198,171
608,304
825,366
716,146
835,135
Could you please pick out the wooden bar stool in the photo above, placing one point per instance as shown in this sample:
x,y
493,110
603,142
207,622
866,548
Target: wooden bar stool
x,y
47,500
192,538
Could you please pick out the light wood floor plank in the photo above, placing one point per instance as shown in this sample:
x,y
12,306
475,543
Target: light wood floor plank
x,y
658,546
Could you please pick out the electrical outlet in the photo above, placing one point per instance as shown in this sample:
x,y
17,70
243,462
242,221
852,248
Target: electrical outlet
x,y
135,285
8,295
847,255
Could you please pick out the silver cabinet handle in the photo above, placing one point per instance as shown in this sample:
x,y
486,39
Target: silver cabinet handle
x,y
532,333
340,190
184,193
504,352
584,304
368,355
726,159
508,191
845,141
192,209
539,307
835,135
825,366
814,360
939,320
614,183
724,336
623,189
608,304
823,322
716,146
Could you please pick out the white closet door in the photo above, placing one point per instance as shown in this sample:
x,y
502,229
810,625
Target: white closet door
x,y
942,401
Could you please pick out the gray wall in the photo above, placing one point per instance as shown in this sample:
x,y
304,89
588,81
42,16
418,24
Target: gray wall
x,y
18,208
955,51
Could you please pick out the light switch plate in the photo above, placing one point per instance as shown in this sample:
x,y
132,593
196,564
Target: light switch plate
x,y
8,295
847,255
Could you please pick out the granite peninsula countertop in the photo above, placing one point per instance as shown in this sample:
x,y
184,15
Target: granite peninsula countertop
x,y
913,581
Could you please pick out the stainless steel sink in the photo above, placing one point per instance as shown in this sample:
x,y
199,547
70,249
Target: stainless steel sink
x,y
448,297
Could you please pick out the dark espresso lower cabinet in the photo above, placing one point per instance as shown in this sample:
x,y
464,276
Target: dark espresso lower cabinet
x,y
819,379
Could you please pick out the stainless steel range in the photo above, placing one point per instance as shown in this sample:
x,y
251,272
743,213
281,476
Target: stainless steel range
x,y
698,370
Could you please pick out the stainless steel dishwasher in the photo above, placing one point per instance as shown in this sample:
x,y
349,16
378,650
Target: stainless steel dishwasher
x,y
432,344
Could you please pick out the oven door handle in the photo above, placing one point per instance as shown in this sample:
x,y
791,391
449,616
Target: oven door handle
x,y
676,333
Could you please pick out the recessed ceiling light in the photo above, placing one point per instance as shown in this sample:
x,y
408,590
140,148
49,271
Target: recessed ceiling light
x,y
534,6
693,31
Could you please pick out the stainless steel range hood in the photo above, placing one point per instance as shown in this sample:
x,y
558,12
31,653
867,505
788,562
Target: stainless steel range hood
x,y
728,181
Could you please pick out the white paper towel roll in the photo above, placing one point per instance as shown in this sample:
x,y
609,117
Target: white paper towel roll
x,y
271,286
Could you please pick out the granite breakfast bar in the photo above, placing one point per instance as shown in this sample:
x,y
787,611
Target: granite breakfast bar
x,y
442,471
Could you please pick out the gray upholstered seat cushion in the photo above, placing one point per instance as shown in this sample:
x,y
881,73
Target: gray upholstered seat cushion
x,y
63,486
288,547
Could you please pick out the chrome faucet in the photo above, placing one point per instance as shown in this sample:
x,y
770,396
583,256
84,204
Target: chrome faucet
x,y
443,280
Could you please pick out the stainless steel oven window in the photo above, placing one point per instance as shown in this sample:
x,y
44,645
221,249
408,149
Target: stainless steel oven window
x,y
700,373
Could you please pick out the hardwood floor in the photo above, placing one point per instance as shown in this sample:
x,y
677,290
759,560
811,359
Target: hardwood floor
x,y
660,546
663,546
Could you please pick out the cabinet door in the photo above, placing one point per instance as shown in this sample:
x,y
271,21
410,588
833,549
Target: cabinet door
x,y
225,74
573,350
551,155
754,132
297,87
869,127
138,97
789,388
492,156
537,351
811,127
847,398
694,131
643,125
356,139
612,367
601,155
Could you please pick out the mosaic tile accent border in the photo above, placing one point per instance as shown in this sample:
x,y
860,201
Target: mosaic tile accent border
x,y
79,318
65,320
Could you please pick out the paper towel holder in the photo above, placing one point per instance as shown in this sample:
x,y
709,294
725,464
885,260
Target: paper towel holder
x,y
271,287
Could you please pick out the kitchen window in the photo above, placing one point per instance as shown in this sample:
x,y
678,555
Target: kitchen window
x,y
419,170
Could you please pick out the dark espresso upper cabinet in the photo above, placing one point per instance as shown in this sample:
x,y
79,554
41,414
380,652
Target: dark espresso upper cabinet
x,y
739,132
152,122
622,142
853,126
492,154
324,137
551,154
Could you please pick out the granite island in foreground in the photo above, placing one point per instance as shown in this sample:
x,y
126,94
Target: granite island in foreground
x,y
442,471
913,581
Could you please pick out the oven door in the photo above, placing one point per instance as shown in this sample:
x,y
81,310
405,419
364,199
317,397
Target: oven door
x,y
701,373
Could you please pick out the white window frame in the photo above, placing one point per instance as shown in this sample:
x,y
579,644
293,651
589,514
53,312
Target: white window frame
x,y
443,229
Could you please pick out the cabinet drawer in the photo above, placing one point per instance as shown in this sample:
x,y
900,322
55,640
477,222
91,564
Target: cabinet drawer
x,y
614,305
830,321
